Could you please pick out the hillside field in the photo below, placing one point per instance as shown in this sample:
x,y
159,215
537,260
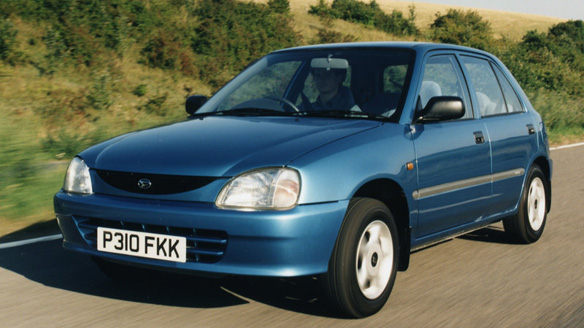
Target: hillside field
x,y
508,24
73,76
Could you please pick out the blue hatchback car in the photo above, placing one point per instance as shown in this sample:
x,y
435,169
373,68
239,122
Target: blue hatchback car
x,y
334,161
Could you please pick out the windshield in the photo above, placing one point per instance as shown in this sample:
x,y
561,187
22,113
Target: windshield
x,y
362,83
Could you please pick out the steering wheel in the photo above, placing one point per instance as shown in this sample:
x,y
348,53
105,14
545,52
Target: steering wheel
x,y
284,101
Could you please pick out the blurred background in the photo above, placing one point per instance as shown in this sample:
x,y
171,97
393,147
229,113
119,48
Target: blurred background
x,y
77,72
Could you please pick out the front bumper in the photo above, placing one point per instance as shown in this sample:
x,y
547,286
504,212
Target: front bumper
x,y
289,243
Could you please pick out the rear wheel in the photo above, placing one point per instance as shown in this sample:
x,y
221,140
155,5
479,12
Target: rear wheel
x,y
527,225
364,262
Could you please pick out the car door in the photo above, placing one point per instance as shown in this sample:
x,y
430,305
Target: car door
x,y
510,130
453,157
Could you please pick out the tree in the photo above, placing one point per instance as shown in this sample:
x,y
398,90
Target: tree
x,y
572,29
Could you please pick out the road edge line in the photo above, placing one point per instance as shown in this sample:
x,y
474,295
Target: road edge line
x,y
568,146
30,241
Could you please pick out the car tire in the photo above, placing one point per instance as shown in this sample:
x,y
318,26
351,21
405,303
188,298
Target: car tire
x,y
364,262
527,225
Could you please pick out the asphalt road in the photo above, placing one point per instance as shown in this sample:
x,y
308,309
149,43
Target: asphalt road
x,y
478,280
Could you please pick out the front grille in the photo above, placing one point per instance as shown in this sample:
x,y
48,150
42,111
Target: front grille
x,y
205,246
157,184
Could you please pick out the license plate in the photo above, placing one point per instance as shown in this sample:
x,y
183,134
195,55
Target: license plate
x,y
142,244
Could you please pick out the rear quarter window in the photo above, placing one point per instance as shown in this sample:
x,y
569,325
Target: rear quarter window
x,y
511,99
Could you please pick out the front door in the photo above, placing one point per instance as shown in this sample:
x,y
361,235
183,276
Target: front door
x,y
453,158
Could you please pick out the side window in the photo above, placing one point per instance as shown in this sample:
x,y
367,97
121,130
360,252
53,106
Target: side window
x,y
511,98
488,92
442,78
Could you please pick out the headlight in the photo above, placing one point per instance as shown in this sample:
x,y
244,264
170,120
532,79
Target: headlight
x,y
267,189
77,179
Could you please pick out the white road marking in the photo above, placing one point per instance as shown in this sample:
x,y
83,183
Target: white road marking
x,y
30,241
568,146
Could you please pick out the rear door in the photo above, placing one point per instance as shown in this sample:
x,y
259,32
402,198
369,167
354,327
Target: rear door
x,y
510,129
453,158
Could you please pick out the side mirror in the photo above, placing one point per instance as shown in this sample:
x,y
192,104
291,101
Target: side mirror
x,y
193,103
442,108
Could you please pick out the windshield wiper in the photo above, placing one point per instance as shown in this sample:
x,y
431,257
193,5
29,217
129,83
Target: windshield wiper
x,y
343,114
255,111
313,113
245,112
198,115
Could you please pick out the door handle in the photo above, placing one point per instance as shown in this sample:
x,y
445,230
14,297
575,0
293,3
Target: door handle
x,y
530,129
479,137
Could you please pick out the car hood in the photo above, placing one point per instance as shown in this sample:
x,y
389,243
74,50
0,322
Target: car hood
x,y
219,146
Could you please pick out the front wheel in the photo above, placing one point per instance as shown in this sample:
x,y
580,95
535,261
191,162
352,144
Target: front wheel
x,y
364,262
527,225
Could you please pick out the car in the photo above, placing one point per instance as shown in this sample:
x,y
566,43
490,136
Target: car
x,y
328,161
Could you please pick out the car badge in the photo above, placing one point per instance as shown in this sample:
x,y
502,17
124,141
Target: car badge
x,y
144,184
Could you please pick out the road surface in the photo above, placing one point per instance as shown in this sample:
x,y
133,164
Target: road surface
x,y
478,280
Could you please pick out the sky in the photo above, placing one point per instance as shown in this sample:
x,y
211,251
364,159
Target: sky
x,y
568,9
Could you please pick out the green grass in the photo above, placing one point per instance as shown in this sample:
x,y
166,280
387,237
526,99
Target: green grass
x,y
566,136
45,121
26,182
563,115
33,197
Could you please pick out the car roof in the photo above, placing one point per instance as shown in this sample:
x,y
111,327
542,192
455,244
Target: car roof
x,y
419,47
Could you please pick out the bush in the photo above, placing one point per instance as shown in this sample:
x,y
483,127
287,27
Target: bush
x,y
396,23
231,34
356,11
65,143
321,9
279,6
552,61
100,94
369,15
462,28
162,51
549,67
325,33
155,105
17,164
566,40
7,38
559,111
572,29
78,31
140,90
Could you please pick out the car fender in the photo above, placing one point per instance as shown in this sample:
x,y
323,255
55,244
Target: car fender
x,y
336,171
